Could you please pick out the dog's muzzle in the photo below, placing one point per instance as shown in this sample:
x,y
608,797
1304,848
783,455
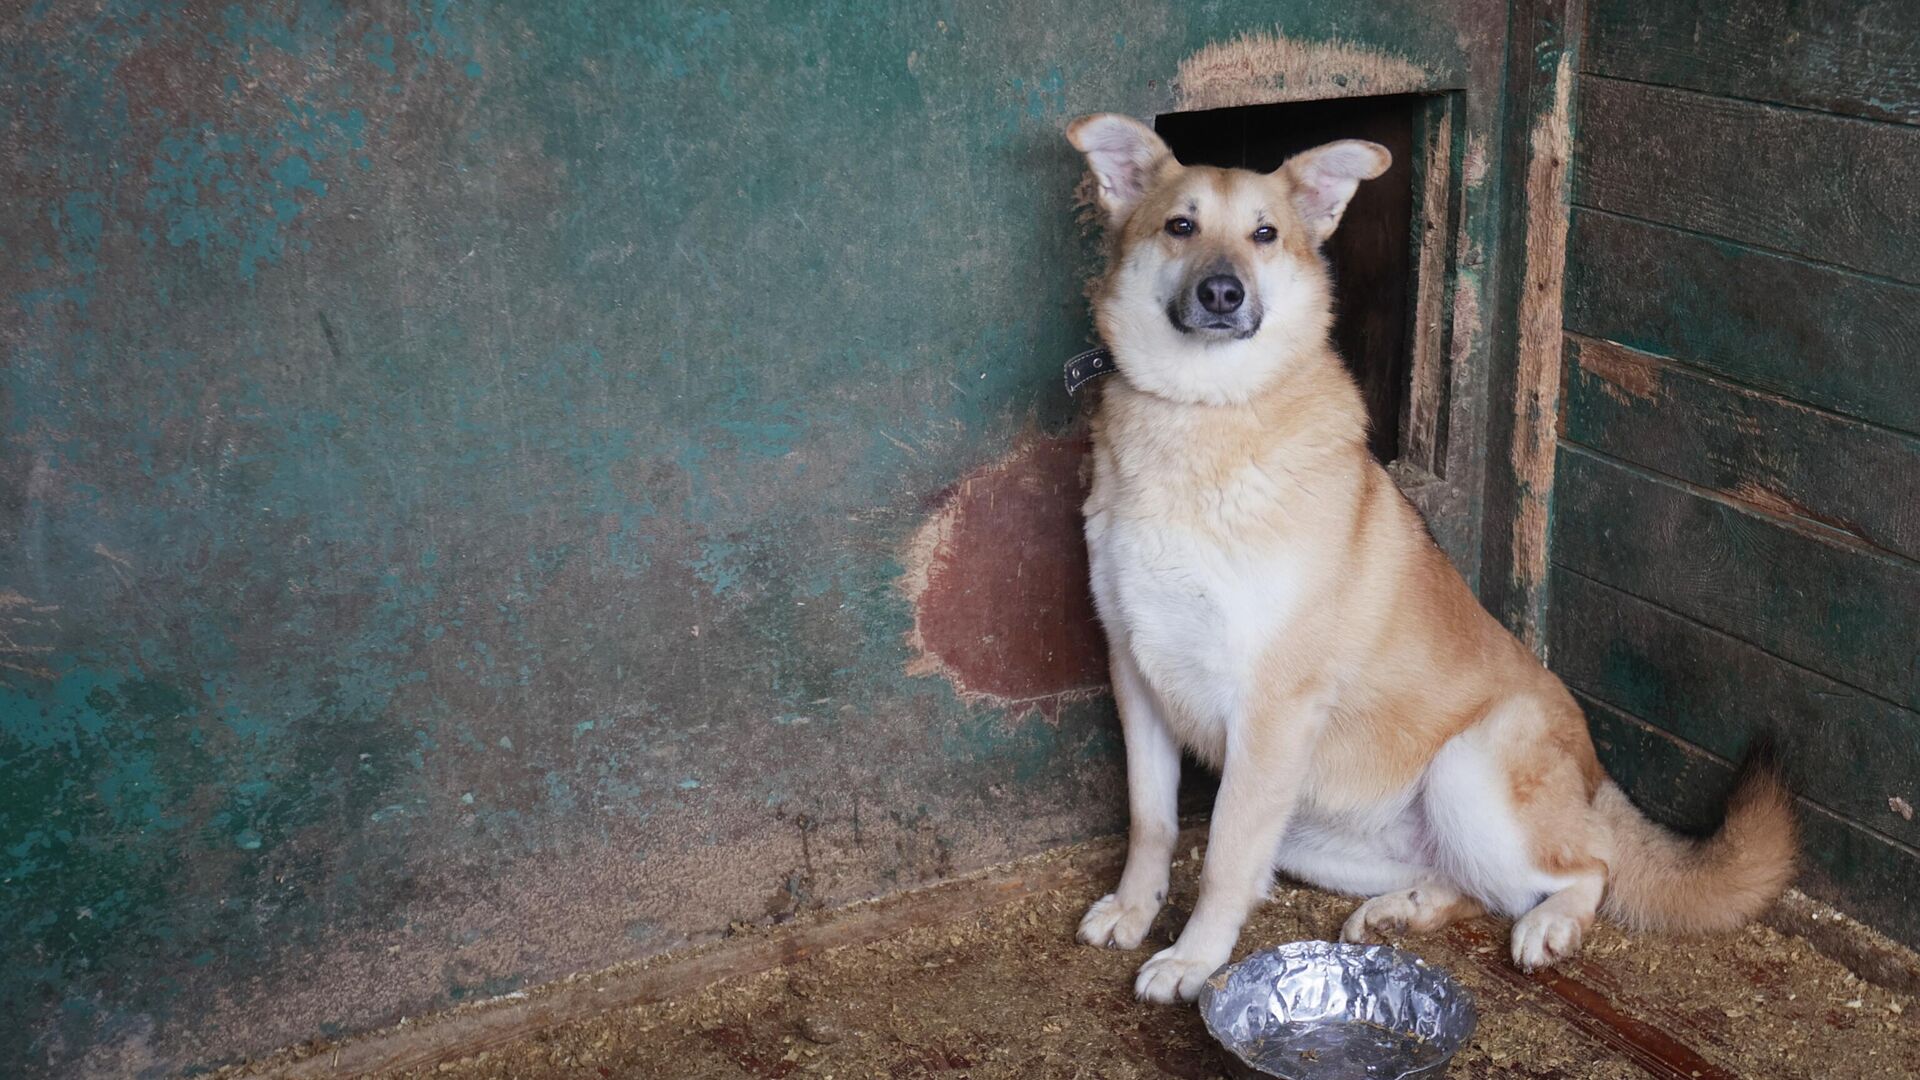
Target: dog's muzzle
x,y
1217,305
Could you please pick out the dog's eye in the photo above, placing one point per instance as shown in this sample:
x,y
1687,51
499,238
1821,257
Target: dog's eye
x,y
1265,234
1180,226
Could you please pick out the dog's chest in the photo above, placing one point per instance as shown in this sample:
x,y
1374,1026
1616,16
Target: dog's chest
x,y
1195,614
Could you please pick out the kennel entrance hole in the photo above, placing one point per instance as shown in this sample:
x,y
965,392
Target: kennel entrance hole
x,y
1372,251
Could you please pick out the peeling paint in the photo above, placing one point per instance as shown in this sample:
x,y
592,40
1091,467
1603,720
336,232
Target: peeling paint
x,y
997,578
1537,386
1474,162
1757,494
1622,378
1426,419
1466,318
24,627
1260,68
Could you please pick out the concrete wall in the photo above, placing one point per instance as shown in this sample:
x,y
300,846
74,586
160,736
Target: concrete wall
x,y
492,490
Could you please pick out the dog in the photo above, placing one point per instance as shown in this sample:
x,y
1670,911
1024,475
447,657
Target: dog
x,y
1275,606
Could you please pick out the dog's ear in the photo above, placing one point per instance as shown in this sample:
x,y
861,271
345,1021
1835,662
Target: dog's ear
x,y
1325,177
1123,154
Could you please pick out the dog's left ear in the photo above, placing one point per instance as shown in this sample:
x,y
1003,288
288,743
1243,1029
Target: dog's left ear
x,y
1325,177
1124,154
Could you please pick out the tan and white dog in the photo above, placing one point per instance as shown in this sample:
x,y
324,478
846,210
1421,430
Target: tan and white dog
x,y
1275,606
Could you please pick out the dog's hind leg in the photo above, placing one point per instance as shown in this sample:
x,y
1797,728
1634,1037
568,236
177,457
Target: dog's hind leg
x,y
1121,918
1513,826
1422,909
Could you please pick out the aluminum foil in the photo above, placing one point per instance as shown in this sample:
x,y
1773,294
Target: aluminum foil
x,y
1317,1010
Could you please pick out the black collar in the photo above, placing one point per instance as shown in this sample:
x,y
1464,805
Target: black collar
x,y
1086,367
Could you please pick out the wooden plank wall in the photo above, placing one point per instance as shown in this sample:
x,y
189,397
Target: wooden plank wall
x,y
1735,544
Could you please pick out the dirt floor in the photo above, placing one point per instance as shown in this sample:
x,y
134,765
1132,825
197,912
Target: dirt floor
x,y
986,981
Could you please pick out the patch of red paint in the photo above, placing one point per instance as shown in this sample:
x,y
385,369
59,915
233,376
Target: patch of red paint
x,y
998,580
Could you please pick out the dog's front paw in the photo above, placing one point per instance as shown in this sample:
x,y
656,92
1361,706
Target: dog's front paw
x,y
1379,919
1170,977
1113,923
1544,938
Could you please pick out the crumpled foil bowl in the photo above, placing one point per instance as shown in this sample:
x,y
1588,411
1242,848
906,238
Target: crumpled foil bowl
x,y
1318,1010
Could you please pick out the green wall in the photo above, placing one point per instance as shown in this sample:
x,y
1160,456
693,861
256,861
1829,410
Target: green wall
x,y
460,462
1736,536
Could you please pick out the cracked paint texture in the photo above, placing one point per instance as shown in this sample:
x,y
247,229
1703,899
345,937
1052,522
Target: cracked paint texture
x,y
458,460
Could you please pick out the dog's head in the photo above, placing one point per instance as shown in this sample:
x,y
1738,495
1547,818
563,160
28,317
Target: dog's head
x,y
1216,279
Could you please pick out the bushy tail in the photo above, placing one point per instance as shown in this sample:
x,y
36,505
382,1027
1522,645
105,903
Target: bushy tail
x,y
1661,880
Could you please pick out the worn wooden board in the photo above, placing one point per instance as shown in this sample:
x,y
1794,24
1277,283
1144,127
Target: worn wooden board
x,y
1841,609
1424,417
1858,57
1840,340
1683,786
1676,783
1736,534
1848,751
1831,188
1759,448
1541,61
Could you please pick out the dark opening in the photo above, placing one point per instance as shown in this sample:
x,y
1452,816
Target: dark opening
x,y
1372,250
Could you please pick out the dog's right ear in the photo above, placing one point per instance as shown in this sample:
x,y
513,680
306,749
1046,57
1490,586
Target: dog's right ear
x,y
1123,154
1325,178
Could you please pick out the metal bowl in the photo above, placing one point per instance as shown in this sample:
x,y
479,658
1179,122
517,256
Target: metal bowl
x,y
1317,1010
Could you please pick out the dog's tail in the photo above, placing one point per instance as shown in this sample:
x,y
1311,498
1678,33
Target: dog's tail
x,y
1660,880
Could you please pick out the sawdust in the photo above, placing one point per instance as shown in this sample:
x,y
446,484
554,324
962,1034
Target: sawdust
x,y
1262,68
1008,993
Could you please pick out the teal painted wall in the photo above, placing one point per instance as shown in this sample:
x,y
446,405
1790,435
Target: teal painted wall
x,y
460,461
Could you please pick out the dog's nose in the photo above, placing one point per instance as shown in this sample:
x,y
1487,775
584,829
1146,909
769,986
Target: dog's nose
x,y
1221,294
